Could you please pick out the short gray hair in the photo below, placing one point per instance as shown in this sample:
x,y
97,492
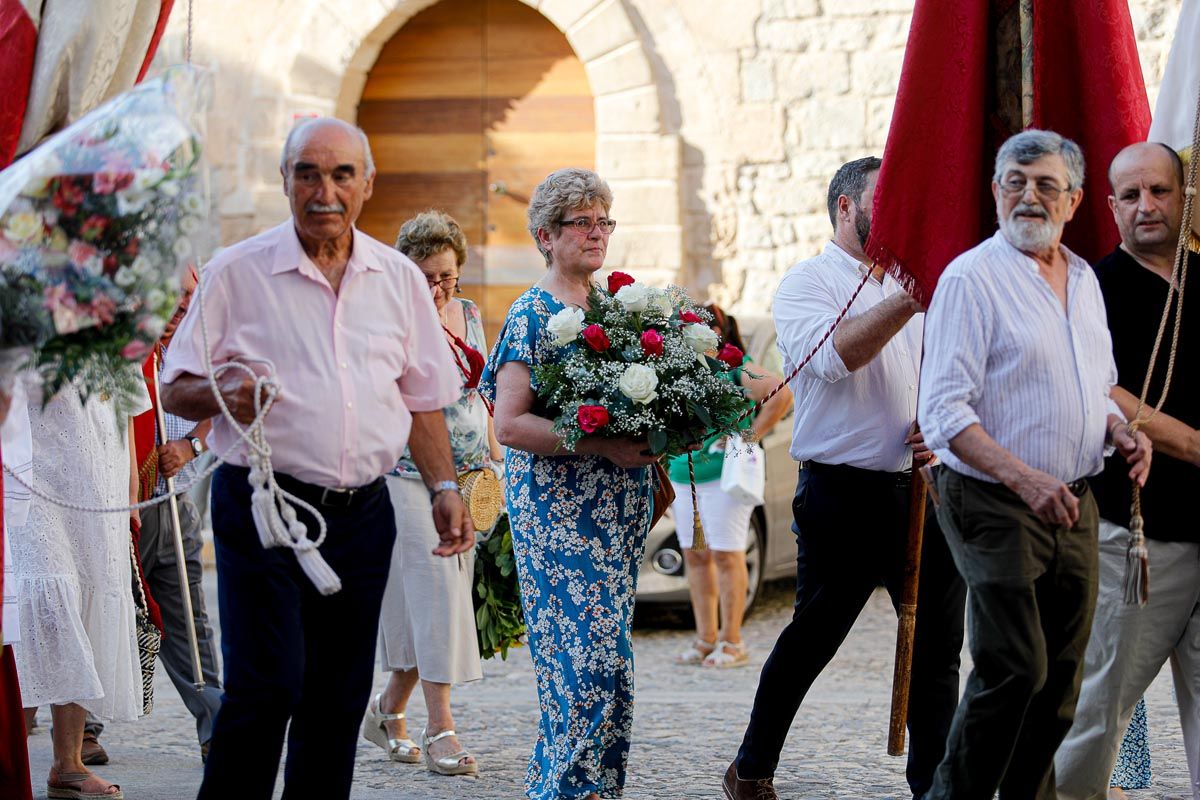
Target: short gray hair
x,y
289,144
561,191
1028,146
850,180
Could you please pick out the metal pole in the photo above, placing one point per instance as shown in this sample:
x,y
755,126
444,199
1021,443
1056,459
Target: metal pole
x,y
177,532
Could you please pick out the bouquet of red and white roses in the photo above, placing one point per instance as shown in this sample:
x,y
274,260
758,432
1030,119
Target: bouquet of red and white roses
x,y
95,226
642,362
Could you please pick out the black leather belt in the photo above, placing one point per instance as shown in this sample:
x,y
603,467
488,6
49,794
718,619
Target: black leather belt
x,y
1078,488
899,479
326,497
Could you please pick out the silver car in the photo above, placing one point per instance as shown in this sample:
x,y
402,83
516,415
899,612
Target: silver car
x,y
771,547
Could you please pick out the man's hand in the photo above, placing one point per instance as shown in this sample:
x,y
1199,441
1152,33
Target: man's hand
x,y
456,532
1136,450
173,456
916,440
1049,498
237,388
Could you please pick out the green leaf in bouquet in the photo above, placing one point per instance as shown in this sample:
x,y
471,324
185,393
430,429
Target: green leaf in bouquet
x,y
658,441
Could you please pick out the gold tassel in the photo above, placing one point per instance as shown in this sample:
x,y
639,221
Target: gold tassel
x,y
1137,558
698,542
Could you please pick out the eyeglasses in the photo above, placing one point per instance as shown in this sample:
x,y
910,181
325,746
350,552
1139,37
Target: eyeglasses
x,y
585,226
445,284
1047,190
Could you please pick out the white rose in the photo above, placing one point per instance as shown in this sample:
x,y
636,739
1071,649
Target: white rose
x,y
700,338
661,300
38,188
125,277
192,203
565,325
23,227
639,383
634,297
59,241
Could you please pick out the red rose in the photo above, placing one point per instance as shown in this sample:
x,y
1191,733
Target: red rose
x,y
652,343
68,197
617,280
731,355
110,264
592,418
93,227
690,316
596,338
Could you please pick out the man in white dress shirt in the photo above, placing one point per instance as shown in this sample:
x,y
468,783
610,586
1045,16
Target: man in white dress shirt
x,y
1015,402
854,438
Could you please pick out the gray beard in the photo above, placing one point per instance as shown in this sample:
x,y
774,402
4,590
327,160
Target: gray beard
x,y
1031,236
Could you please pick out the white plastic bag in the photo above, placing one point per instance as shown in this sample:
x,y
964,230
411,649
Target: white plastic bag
x,y
744,473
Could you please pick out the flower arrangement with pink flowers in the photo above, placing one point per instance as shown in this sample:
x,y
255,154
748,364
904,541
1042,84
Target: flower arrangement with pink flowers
x,y
96,225
640,362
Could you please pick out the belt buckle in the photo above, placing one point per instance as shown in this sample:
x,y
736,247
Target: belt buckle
x,y
344,497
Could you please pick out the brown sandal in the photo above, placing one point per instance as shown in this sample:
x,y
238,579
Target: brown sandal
x,y
62,790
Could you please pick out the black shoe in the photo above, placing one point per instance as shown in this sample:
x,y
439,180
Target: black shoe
x,y
738,789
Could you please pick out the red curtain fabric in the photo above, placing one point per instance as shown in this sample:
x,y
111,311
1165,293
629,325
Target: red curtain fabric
x,y
1088,86
933,200
18,43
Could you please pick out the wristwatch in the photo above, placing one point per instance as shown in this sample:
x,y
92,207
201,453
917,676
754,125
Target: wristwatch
x,y
197,445
442,486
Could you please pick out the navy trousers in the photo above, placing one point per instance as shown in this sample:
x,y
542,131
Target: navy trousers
x,y
291,654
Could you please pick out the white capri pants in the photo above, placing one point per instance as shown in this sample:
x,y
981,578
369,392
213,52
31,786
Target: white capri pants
x,y
726,521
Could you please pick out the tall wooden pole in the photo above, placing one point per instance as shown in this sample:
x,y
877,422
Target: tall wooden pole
x,y
907,624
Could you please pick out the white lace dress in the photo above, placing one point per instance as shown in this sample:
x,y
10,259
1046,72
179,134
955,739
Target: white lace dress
x,y
73,572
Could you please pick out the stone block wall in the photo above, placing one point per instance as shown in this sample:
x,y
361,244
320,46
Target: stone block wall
x,y
719,122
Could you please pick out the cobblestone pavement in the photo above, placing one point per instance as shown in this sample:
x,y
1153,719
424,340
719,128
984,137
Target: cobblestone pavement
x,y
688,725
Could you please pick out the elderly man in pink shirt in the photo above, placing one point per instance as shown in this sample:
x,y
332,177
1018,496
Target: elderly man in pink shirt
x,y
350,327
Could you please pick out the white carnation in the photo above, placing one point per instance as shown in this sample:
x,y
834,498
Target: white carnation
x,y
125,277
639,383
700,338
566,325
661,300
634,297
142,266
192,203
189,225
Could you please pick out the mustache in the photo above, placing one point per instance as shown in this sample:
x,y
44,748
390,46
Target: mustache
x,y
322,208
1025,209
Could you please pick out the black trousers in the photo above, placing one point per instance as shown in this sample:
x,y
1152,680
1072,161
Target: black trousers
x,y
851,527
290,653
1033,592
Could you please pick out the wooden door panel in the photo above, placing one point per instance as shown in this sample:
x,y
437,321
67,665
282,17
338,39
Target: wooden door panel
x,y
467,94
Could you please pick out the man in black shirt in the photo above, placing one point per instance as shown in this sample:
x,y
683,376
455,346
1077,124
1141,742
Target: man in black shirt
x,y
1130,644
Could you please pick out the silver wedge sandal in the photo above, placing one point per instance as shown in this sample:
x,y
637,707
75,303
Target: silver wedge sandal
x,y
447,765
375,731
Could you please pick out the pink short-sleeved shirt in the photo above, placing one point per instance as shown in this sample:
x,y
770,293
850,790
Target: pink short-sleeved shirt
x,y
351,365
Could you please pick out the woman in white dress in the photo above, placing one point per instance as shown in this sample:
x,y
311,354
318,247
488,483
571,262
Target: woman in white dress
x,y
77,651
427,623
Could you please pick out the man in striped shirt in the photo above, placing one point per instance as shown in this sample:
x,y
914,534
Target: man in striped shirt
x,y
1015,402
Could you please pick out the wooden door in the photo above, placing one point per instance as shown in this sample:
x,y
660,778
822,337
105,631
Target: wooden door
x,y
468,107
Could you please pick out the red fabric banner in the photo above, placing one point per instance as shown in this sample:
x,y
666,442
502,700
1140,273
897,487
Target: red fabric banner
x,y
933,200
18,44
1088,86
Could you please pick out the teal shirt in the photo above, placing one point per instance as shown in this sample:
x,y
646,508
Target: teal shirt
x,y
707,464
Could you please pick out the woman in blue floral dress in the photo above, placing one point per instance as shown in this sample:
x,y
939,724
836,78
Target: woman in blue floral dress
x,y
579,520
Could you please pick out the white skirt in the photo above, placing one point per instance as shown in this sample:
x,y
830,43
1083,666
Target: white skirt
x,y
428,617
726,521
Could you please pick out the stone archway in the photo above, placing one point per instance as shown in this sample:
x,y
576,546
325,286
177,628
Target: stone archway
x,y
640,159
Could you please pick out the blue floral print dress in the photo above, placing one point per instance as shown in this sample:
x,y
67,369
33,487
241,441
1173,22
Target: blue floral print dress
x,y
579,526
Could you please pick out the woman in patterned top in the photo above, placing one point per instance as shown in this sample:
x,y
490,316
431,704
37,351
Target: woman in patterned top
x,y
427,623
579,519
